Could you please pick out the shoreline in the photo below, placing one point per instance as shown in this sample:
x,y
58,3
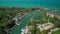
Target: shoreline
x,y
27,7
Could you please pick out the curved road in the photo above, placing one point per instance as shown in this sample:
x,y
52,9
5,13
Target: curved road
x,y
24,21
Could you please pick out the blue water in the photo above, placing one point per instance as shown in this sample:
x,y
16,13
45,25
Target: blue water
x,y
31,3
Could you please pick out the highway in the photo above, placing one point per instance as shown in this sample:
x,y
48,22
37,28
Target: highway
x,y
24,21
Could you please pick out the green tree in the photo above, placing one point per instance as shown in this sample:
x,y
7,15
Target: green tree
x,y
44,32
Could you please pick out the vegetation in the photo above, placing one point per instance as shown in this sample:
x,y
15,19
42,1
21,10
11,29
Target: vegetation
x,y
33,26
55,21
44,32
56,32
8,13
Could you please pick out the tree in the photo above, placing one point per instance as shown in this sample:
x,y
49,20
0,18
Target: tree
x,y
37,31
44,32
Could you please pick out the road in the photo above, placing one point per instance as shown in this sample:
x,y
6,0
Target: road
x,y
24,21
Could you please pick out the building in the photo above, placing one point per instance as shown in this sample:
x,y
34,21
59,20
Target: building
x,y
45,26
25,30
54,13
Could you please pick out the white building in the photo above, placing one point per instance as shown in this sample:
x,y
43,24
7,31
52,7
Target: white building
x,y
25,30
54,13
45,26
51,15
